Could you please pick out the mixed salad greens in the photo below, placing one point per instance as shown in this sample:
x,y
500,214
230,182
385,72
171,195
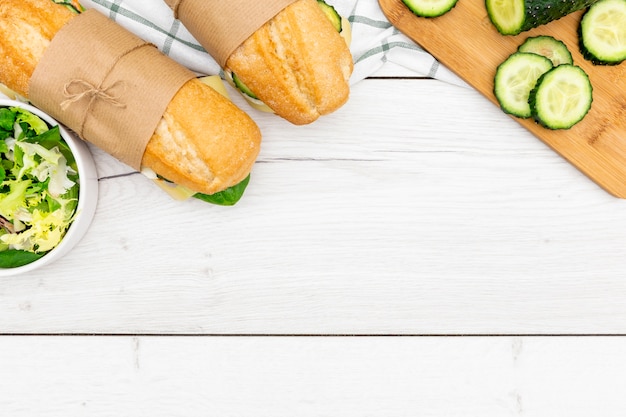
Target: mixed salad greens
x,y
38,187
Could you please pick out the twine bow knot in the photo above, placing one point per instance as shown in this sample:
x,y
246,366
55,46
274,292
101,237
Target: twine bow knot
x,y
87,90
77,90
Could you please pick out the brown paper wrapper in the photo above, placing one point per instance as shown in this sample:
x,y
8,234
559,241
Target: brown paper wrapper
x,y
221,26
106,84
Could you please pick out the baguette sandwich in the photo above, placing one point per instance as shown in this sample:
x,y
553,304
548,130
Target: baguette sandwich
x,y
203,142
297,64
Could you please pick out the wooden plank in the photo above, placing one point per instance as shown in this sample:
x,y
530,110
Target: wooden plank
x,y
381,218
467,43
311,377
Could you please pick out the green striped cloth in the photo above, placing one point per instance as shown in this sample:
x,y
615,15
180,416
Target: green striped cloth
x,y
374,40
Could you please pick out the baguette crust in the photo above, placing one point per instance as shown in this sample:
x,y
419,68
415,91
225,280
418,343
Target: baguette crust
x,y
203,141
296,63
27,28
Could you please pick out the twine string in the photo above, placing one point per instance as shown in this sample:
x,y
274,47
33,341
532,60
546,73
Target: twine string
x,y
86,89
77,90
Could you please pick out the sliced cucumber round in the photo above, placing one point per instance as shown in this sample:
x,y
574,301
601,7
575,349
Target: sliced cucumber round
x,y
507,16
602,32
515,78
562,97
430,8
553,49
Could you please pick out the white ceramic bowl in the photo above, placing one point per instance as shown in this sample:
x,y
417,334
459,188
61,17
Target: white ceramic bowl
x,y
87,194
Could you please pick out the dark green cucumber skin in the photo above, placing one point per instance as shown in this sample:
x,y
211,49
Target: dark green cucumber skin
x,y
541,12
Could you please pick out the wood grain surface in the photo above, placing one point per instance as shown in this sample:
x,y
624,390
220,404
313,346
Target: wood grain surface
x,y
467,43
311,377
382,218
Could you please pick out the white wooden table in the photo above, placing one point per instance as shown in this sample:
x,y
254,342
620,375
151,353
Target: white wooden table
x,y
417,253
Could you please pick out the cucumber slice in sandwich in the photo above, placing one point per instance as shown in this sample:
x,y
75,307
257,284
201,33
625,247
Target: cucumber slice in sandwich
x,y
247,94
340,23
242,87
331,14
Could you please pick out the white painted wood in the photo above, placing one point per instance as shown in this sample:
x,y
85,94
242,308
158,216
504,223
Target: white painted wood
x,y
416,208
391,69
258,377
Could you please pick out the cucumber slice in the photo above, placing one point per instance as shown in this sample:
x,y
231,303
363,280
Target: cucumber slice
x,y
511,17
242,87
331,14
553,49
562,97
602,32
506,15
515,78
430,8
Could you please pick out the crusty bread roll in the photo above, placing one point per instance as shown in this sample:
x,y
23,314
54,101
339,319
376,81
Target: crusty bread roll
x,y
202,142
297,64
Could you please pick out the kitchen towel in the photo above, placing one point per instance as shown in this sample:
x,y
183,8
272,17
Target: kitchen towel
x,y
374,40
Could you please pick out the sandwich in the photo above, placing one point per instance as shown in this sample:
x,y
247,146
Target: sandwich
x,y
297,64
203,144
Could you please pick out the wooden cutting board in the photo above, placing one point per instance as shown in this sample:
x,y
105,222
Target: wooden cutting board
x,y
466,42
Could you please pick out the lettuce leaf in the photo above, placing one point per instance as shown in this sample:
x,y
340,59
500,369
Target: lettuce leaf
x,y
7,119
34,122
228,197
13,258
38,187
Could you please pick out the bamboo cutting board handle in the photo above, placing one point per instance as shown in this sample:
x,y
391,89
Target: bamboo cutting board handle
x,y
467,43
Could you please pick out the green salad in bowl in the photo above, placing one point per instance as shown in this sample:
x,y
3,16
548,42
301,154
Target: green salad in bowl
x,y
48,188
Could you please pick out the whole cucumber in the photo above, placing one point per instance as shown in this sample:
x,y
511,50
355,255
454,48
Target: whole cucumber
x,y
511,17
